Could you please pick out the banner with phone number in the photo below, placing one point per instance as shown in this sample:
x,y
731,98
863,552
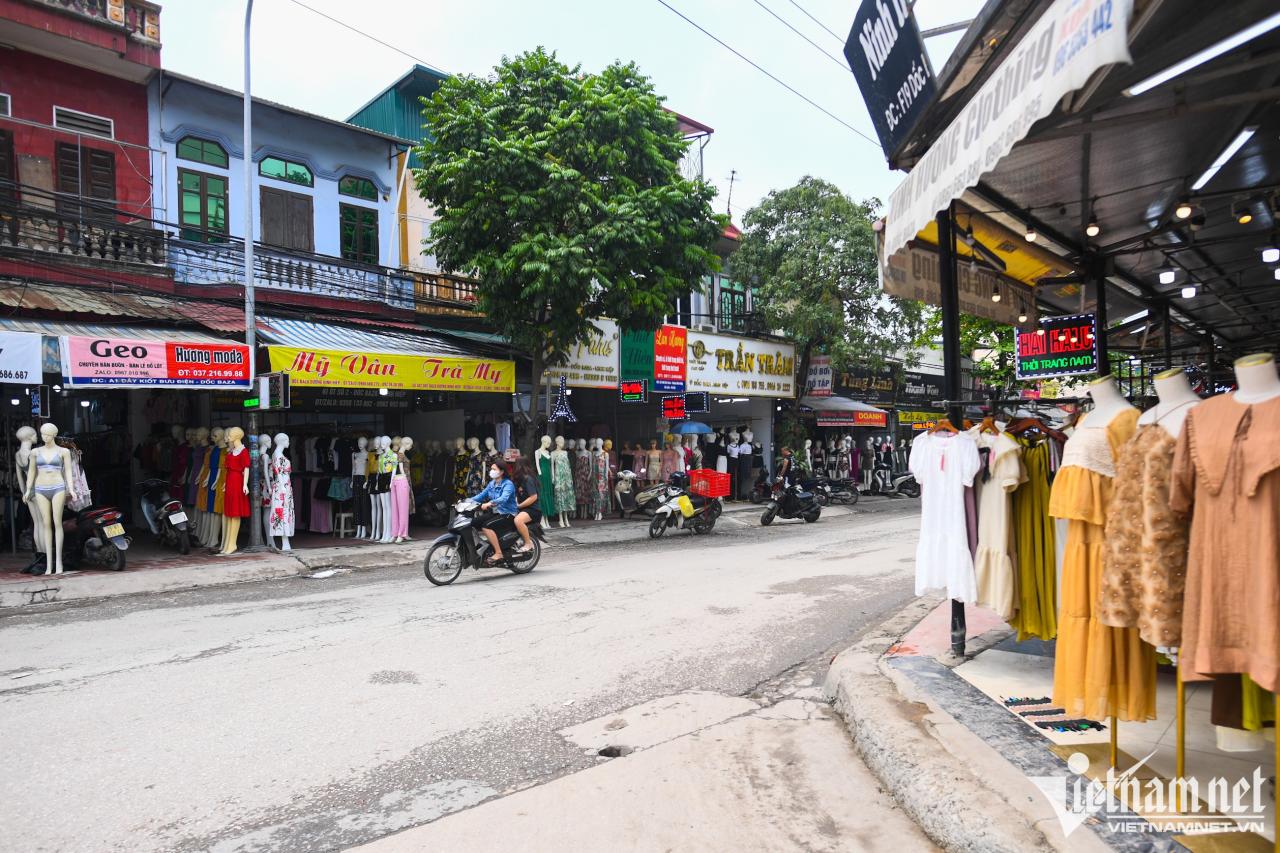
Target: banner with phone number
x,y
134,363
20,358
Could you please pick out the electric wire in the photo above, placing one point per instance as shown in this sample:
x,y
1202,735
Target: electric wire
x,y
766,73
816,21
372,38
816,46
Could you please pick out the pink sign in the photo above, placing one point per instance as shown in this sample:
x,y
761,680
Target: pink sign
x,y
134,363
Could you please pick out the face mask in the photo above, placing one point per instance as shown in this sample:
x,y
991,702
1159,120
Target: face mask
x,y
494,473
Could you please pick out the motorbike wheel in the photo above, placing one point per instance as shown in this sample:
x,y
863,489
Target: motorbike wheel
x,y
657,526
115,559
822,498
853,496
522,564
756,496
812,515
769,515
911,490
184,543
443,563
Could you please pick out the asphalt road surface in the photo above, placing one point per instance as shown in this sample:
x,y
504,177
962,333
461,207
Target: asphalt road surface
x,y
319,714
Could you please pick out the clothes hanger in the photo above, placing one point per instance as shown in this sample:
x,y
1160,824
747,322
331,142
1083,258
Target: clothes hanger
x,y
943,425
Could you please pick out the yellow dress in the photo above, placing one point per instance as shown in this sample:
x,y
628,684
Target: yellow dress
x,y
1099,671
202,492
1034,547
220,484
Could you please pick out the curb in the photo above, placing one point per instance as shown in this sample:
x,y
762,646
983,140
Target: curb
x,y
899,743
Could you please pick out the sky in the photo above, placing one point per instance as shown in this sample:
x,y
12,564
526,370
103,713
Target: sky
x,y
770,137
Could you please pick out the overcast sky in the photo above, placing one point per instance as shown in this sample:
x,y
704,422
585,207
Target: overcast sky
x,y
770,136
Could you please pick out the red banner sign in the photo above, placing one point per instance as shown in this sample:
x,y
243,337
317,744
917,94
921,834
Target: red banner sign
x,y
853,419
673,408
670,359
135,363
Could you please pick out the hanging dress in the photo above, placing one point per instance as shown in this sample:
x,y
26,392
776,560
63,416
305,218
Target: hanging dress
x,y
546,488
282,516
1035,546
562,480
944,464
992,565
1099,671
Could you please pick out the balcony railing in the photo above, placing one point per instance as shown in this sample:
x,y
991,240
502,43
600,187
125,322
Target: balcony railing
x,y
76,228
438,293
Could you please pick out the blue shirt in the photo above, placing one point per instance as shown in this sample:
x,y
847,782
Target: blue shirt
x,y
502,493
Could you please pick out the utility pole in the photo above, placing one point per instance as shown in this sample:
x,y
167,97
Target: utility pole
x,y
250,317
728,202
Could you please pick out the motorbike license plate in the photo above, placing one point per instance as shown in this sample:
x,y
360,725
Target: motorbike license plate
x,y
112,530
178,517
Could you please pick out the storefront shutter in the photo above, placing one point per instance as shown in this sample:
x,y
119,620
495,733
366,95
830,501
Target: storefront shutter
x,y
300,223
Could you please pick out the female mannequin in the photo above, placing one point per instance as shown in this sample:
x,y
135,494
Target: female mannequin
x,y
461,470
475,466
582,480
653,462
491,453
1107,402
562,480
722,458
375,489
734,449
833,458
868,463
1176,399
400,493
212,533
1256,378
695,452
844,460
745,481
22,461
50,486
388,463
599,503
280,517
613,457
546,488
197,490
639,462
360,487
811,456
264,483
670,461
235,490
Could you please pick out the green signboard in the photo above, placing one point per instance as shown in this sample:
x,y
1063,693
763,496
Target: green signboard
x,y
635,359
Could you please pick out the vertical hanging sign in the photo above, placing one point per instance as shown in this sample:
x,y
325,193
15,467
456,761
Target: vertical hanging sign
x,y
670,359
635,359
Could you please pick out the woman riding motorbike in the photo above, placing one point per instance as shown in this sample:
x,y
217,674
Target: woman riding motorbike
x,y
526,502
499,496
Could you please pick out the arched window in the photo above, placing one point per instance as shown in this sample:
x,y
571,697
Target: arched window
x,y
285,170
202,151
358,187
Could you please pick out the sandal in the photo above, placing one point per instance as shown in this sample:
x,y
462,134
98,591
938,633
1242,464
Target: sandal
x,y
524,549
493,562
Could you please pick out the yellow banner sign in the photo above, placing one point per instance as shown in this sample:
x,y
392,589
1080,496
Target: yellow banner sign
x,y
325,368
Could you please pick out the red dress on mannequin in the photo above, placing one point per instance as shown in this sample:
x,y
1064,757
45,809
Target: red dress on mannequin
x,y
235,503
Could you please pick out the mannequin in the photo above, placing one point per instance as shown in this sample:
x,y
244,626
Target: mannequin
x,y
491,452
179,459
280,516
235,488
669,461
1107,402
868,463
1256,378
808,457
264,483
375,488
461,470
197,494
212,531
401,493
653,462
359,486
1176,399
562,480
613,457
639,462
734,448
475,467
582,482
22,461
388,463
599,480
546,489
49,486
832,456
745,480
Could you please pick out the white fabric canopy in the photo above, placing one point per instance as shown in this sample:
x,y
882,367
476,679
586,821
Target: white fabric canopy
x,y
838,404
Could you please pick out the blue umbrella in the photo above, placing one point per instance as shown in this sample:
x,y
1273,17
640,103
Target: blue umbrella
x,y
689,428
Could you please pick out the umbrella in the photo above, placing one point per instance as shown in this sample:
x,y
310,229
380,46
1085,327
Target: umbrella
x,y
689,428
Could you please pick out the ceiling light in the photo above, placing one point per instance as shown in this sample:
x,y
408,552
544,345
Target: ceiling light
x,y
1022,318
1270,256
1092,228
1167,276
1277,273
1183,210
13,401
1227,153
1229,43
1241,212
995,293
84,404
1030,235
1189,291
1039,331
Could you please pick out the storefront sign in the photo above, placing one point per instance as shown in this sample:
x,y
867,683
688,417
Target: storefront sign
x,y
673,407
819,382
669,359
920,387
852,419
20,357
886,54
130,363
913,274
1071,40
742,367
593,363
1067,348
636,356
873,386
319,368
697,401
633,391
919,421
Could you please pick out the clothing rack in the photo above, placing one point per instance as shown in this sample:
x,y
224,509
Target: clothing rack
x,y
1005,401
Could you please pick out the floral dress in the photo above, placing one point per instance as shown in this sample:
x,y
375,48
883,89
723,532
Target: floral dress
x,y
582,484
598,494
281,497
562,480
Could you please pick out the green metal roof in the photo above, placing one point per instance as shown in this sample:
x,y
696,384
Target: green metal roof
x,y
396,110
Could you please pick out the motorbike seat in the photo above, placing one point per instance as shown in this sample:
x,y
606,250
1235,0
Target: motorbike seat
x,y
698,501
804,496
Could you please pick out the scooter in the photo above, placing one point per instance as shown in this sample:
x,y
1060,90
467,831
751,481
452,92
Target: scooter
x,y
843,491
164,515
791,501
631,499
823,489
464,546
95,537
432,506
685,510
903,485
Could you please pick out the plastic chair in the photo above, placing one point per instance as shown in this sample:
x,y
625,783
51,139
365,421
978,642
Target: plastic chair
x,y
344,528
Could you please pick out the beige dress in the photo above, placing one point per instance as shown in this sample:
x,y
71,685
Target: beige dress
x,y
1226,472
992,564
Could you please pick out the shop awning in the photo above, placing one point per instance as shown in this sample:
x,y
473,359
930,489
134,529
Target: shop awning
x,y
837,411
304,333
836,403
101,302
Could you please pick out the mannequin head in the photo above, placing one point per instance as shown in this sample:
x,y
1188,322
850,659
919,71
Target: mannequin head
x,y
264,441
490,445
235,437
734,436
406,444
282,441
459,445
218,436
473,444
808,444
559,442
48,433
361,442
866,444
26,434
747,436
608,444
189,435
582,444
1256,378
653,444
395,443
545,442
176,431
202,436
386,443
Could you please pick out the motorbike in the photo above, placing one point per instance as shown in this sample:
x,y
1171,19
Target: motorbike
x,y
464,546
95,537
164,515
685,510
902,485
843,491
632,500
823,490
791,501
432,505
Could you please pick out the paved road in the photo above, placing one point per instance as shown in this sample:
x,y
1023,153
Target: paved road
x,y
318,714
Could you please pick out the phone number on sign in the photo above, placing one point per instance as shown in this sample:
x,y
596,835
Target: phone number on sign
x,y
15,375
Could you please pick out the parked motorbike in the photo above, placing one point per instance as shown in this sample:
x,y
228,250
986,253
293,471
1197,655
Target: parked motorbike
x,y
95,537
432,505
682,509
902,485
791,502
843,491
822,488
164,515
631,499
464,546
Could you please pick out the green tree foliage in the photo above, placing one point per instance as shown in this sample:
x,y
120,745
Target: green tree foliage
x,y
988,343
561,192
810,252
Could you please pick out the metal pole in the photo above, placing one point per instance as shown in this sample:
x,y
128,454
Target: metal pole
x,y
1100,315
18,477
250,318
1168,337
951,366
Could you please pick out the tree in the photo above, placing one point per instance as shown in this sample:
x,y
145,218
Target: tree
x,y
810,253
988,343
561,192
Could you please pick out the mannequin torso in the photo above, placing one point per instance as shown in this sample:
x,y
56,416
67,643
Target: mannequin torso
x,y
1107,402
1256,379
1176,400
